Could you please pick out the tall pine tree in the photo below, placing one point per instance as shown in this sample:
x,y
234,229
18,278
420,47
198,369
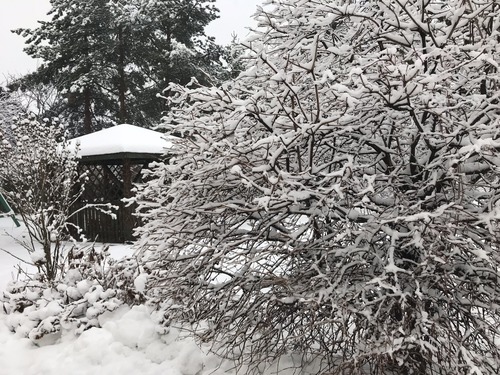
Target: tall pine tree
x,y
110,58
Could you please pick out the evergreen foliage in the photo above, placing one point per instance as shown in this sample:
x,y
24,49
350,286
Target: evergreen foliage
x,y
111,58
339,201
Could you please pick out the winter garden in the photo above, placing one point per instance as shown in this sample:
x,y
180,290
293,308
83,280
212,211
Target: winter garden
x,y
331,203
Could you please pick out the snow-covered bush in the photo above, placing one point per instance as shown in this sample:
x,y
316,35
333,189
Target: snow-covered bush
x,y
339,200
92,285
40,180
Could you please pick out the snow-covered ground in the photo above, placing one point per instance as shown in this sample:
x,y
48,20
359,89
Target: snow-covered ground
x,y
127,343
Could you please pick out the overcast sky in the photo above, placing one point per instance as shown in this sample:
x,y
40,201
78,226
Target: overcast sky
x,y
235,17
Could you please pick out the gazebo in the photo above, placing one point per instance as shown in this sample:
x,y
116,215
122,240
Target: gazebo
x,y
113,159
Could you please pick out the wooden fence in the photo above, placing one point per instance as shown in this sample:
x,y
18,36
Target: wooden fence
x,y
107,184
99,226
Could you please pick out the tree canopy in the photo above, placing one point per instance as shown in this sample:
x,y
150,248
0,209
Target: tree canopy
x,y
338,202
111,58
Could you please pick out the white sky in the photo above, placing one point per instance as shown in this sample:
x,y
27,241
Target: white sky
x,y
235,17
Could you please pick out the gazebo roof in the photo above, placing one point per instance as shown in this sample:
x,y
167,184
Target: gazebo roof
x,y
122,142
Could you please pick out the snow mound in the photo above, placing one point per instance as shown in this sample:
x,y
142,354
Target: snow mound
x,y
127,343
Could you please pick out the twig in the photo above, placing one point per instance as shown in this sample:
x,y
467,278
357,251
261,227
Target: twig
x,y
15,256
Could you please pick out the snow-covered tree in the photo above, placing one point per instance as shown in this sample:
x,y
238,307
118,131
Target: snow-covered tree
x,y
161,41
74,47
40,179
339,201
43,100
110,58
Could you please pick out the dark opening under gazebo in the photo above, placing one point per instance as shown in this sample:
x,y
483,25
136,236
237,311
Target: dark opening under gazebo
x,y
113,159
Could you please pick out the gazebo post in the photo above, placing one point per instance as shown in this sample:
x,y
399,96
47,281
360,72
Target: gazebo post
x,y
128,222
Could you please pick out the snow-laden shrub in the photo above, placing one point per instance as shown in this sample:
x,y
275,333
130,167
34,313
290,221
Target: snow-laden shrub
x,y
92,285
39,177
340,199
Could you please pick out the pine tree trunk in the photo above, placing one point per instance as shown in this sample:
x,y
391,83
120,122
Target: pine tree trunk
x,y
87,120
121,71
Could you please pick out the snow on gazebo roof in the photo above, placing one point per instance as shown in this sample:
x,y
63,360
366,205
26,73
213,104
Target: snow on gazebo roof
x,y
121,140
